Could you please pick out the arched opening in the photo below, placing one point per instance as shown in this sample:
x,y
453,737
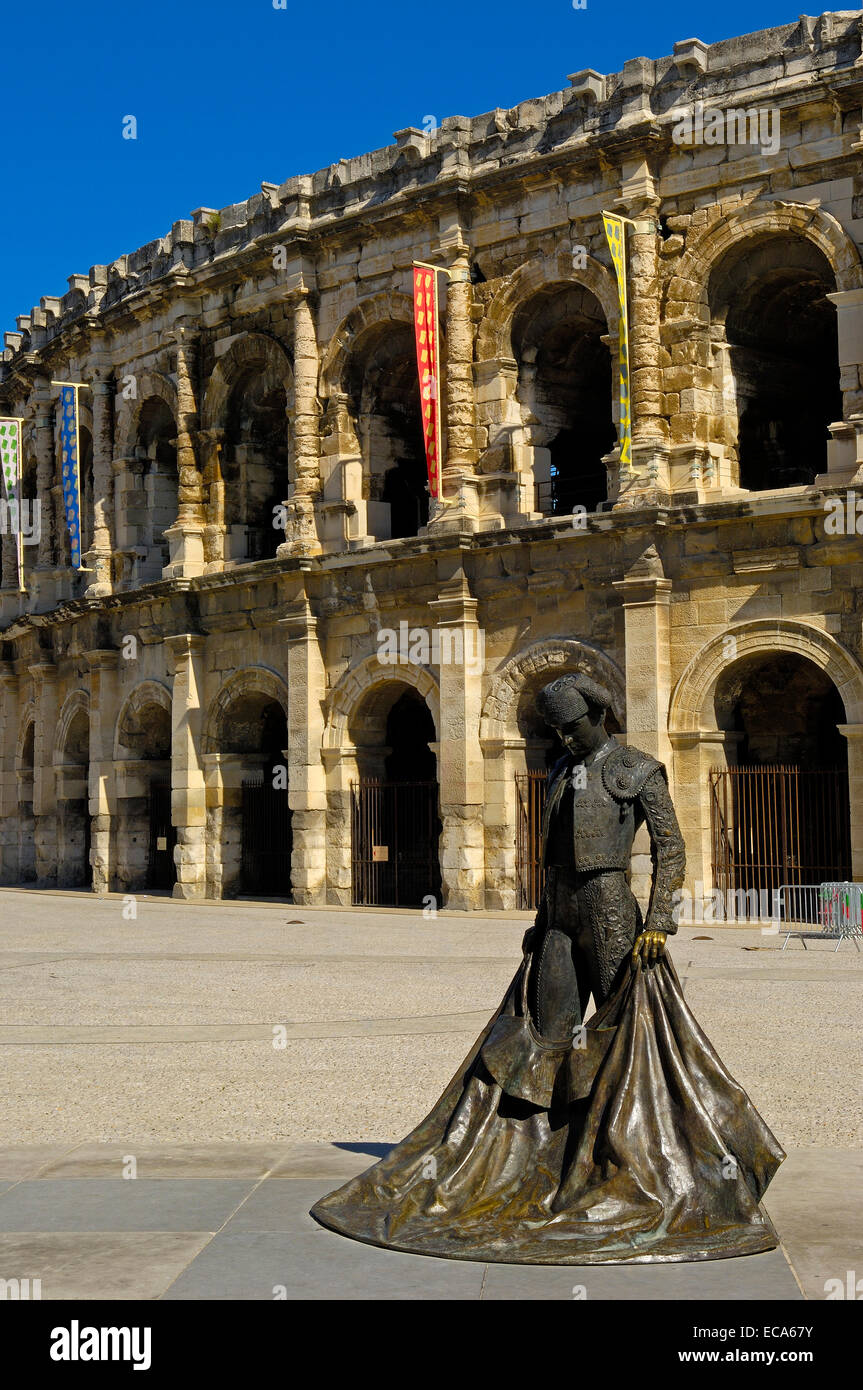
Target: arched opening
x,y
780,811
255,464
384,401
156,450
26,820
564,387
395,822
73,805
253,824
145,838
783,360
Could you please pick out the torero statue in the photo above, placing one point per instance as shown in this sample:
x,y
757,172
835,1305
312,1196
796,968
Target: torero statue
x,y
561,1141
599,794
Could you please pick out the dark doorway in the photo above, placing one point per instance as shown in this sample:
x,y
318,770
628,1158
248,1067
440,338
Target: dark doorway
x,y
161,869
266,836
406,491
395,825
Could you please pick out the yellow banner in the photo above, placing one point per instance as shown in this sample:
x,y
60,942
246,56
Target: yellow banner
x,y
616,236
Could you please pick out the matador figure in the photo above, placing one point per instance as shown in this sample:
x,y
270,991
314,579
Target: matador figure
x,y
560,1140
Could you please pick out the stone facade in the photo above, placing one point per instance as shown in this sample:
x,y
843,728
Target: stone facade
x,y
256,364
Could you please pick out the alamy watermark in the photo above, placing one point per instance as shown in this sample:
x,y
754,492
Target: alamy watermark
x,y
24,519
437,646
711,125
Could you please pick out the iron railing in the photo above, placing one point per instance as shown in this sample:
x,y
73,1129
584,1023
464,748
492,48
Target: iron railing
x,y
395,831
530,793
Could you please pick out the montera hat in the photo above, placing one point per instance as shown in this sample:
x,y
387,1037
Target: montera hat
x,y
570,697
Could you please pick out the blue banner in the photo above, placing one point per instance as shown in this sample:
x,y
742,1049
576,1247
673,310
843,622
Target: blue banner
x,y
70,471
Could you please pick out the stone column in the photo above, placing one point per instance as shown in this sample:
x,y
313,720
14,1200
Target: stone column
x,y
98,558
458,476
186,536
8,778
44,675
646,595
854,735
188,797
307,792
696,754
210,443
104,710
460,760
301,533
45,468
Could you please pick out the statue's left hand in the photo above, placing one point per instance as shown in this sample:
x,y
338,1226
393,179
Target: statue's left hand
x,y
650,946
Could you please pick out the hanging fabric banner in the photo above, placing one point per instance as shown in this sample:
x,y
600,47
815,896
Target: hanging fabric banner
x,y
614,231
70,467
10,465
427,336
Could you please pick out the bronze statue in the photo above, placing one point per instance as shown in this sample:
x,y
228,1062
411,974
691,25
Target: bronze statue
x,y
561,1142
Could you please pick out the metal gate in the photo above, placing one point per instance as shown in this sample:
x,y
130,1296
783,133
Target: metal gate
x,y
265,839
777,825
530,790
395,831
161,870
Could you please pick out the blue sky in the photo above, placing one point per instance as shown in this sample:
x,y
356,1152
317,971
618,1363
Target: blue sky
x,y
229,94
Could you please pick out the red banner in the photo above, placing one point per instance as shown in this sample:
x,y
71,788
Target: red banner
x,y
426,328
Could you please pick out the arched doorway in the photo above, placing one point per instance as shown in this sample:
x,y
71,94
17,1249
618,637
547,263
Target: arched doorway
x,y
255,463
780,815
26,819
145,838
156,452
73,804
384,401
395,822
565,390
783,358
252,825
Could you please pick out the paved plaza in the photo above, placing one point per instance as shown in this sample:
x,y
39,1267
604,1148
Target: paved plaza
x,y
243,1059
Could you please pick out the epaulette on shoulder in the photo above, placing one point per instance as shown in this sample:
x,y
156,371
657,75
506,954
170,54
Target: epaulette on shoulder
x,y
626,770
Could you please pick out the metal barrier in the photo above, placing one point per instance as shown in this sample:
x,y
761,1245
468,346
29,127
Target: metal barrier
x,y
822,911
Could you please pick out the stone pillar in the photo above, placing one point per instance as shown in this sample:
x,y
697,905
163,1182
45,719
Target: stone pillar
x,y
458,476
849,323
854,736
188,796
186,536
460,760
301,533
696,754
44,675
98,557
646,595
210,443
104,711
8,777
307,792
45,467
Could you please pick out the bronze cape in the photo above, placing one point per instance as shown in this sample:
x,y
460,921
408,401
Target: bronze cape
x,y
647,1149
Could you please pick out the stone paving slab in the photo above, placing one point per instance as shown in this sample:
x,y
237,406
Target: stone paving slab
x,y
236,1225
89,1265
106,1204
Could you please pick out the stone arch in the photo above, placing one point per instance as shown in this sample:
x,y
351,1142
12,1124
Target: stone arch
x,y
248,352
150,385
251,680
691,706
689,287
28,721
78,701
148,693
550,658
494,339
364,678
375,312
